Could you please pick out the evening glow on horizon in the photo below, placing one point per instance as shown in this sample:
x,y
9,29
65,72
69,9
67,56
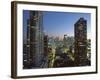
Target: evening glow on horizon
x,y
57,24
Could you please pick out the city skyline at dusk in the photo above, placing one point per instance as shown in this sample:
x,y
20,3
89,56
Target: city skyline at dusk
x,y
56,39
60,23
57,24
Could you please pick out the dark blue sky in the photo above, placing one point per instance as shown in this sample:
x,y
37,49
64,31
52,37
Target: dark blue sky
x,y
59,23
25,17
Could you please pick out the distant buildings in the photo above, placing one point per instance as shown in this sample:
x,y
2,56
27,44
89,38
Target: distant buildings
x,y
89,49
42,51
80,42
34,48
65,40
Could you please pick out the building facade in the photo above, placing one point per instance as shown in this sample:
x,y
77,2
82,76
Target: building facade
x,y
65,40
35,40
80,55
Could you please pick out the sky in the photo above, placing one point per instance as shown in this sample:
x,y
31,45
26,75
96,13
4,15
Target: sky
x,y
59,23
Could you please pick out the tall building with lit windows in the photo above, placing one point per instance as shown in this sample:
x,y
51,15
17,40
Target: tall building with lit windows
x,y
35,40
80,28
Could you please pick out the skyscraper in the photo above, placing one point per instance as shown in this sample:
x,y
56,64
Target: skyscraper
x,y
65,40
35,40
80,42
